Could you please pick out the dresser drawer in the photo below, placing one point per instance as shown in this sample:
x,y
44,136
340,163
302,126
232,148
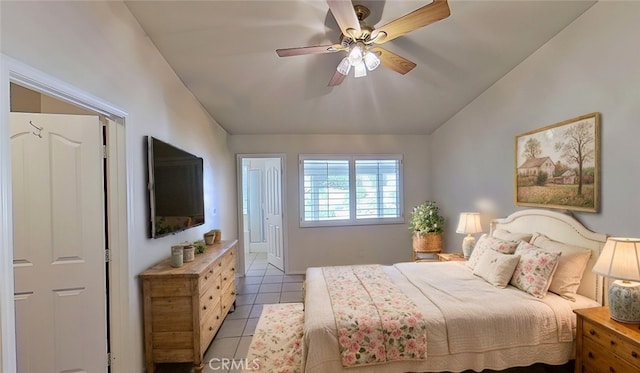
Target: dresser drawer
x,y
209,325
206,279
611,342
597,359
228,297
210,298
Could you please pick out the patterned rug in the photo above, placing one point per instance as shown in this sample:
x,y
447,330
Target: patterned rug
x,y
276,345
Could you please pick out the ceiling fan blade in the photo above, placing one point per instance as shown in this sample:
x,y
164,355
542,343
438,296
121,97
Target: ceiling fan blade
x,y
336,79
424,16
394,62
286,52
345,16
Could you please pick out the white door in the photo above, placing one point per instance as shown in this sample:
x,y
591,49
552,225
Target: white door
x,y
273,212
59,245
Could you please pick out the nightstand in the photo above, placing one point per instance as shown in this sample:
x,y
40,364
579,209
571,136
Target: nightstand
x,y
605,345
451,257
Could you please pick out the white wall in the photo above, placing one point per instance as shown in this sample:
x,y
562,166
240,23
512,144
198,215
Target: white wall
x,y
343,245
593,65
99,48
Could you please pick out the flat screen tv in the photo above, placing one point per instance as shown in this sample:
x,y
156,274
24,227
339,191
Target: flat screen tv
x,y
176,195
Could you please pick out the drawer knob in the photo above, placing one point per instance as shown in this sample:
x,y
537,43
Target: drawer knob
x,y
613,343
590,355
592,332
211,271
219,264
634,354
233,293
217,317
224,279
218,287
211,328
206,277
612,370
204,307
210,297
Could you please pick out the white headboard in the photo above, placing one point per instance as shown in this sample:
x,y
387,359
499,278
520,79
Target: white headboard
x,y
564,228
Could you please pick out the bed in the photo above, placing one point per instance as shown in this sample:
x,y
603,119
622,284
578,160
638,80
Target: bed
x,y
468,321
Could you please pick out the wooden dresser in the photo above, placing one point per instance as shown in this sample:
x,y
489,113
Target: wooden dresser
x,y
605,345
184,307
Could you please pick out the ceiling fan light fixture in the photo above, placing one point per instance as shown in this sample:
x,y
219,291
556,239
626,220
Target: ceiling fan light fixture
x,y
344,66
360,70
355,55
371,60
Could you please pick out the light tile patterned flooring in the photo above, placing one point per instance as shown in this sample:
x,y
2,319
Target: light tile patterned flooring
x,y
263,284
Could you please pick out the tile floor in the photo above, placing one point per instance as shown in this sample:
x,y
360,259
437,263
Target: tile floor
x,y
263,284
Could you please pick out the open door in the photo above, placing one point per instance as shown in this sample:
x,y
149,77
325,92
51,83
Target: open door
x,y
261,211
59,243
273,212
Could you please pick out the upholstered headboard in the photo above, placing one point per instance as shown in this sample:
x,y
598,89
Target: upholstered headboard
x,y
564,228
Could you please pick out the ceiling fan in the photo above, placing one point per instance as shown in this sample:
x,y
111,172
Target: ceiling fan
x,y
362,41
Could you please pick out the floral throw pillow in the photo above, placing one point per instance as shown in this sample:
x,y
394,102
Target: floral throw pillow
x,y
535,269
487,242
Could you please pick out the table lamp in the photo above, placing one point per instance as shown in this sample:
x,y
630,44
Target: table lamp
x,y
620,260
469,223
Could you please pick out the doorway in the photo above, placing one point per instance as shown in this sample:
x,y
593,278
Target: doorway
x,y
15,74
261,213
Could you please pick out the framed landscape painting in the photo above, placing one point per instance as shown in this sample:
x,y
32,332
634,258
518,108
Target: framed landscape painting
x,y
558,166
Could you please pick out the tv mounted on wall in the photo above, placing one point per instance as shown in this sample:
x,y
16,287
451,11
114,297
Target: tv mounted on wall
x,y
176,194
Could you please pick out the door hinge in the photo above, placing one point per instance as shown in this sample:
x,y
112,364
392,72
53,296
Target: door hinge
x,y
107,255
104,151
109,359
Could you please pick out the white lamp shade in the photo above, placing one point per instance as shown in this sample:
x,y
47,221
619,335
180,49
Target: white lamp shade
x,y
344,66
620,259
360,70
469,223
371,60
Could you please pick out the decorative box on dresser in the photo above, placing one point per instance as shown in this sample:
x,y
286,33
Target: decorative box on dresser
x,y
605,345
184,307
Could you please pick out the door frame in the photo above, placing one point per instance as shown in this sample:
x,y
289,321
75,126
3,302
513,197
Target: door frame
x,y
118,211
240,180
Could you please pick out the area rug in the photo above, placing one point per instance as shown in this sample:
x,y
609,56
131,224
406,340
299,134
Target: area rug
x,y
276,345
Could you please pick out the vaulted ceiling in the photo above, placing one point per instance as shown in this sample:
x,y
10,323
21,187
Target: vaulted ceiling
x,y
224,52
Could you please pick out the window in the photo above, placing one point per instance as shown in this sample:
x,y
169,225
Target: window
x,y
350,190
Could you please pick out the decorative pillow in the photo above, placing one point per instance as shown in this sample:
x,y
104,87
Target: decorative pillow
x,y
504,234
571,266
535,269
496,268
487,242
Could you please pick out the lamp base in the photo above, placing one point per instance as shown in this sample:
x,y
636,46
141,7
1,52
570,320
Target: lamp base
x,y
468,243
624,301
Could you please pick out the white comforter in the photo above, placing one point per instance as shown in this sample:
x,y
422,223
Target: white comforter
x,y
471,324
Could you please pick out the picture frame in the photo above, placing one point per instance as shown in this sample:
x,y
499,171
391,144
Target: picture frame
x,y
558,166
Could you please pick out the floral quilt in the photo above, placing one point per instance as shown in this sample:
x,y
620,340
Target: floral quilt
x,y
376,322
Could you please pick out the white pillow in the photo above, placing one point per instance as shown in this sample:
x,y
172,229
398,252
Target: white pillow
x,y
573,262
504,234
496,268
486,243
535,269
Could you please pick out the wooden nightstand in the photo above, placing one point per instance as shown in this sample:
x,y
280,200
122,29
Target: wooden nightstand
x,y
451,257
605,345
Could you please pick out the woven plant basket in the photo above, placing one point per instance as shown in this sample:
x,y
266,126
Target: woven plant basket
x,y
428,243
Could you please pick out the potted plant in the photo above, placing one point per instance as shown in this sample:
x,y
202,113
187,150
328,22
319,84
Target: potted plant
x,y
427,226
